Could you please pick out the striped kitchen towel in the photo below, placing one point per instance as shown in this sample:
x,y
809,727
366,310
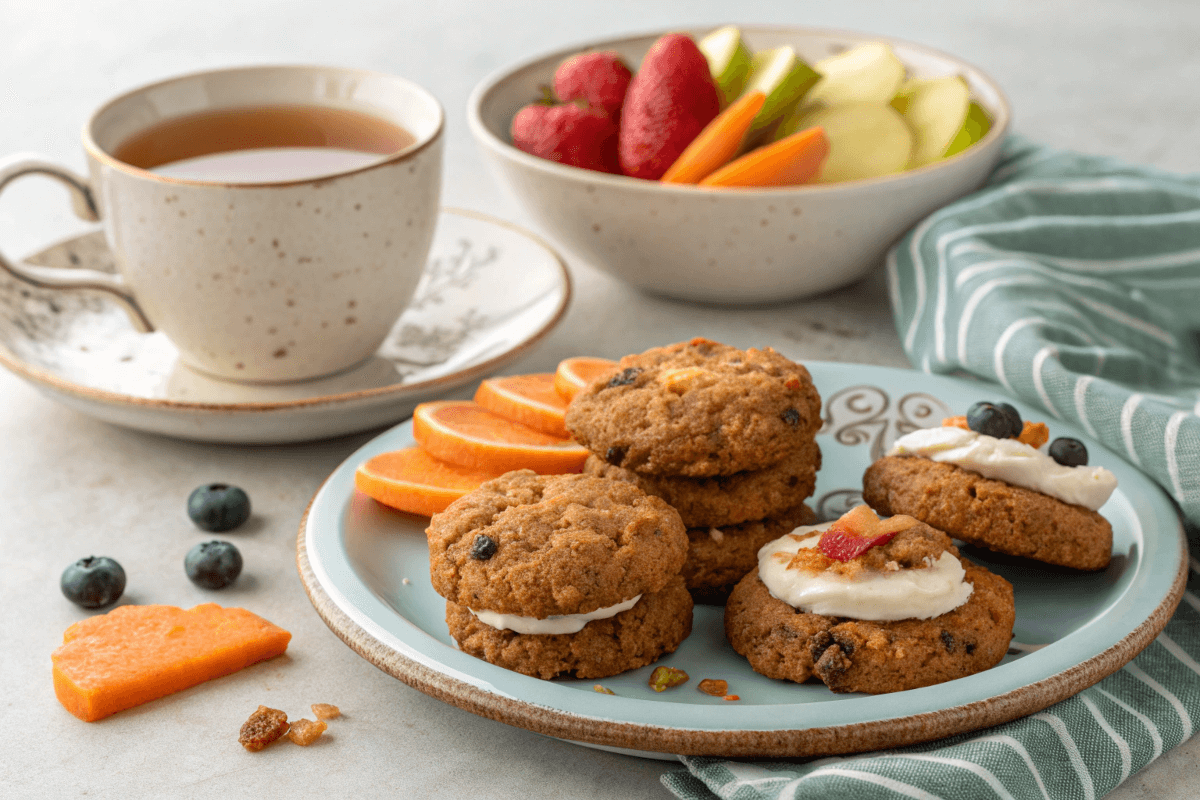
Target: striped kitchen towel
x,y
1074,282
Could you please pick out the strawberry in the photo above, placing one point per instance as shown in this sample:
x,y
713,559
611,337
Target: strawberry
x,y
600,79
669,102
569,134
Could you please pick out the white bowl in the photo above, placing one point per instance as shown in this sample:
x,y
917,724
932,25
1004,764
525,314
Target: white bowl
x,y
729,246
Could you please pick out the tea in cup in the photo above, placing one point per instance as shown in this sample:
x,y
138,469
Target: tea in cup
x,y
272,222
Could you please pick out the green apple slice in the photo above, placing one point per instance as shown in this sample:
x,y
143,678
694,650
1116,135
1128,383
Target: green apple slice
x,y
728,61
975,127
936,110
866,140
783,77
869,73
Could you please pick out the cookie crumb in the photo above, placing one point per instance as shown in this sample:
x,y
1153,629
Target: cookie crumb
x,y
716,688
667,678
405,581
601,690
263,727
326,711
304,731
731,697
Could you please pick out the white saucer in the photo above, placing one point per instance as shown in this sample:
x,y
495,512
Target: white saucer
x,y
491,290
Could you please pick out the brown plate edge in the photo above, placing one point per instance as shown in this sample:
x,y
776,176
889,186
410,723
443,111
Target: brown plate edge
x,y
790,743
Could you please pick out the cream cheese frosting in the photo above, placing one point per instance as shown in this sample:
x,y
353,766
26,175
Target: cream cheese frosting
x,y
562,623
1010,461
923,593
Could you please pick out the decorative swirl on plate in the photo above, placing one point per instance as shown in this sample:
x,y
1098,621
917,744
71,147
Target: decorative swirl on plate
x,y
834,504
860,414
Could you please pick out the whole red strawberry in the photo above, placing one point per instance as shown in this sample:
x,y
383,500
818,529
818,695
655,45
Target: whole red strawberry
x,y
600,79
669,102
569,134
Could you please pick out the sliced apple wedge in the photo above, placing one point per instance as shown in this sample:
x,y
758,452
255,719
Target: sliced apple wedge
x,y
869,73
866,140
783,77
975,127
936,110
728,61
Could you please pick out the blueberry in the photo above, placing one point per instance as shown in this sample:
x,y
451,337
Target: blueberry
x,y
93,582
1069,452
987,419
1015,424
218,507
483,548
213,565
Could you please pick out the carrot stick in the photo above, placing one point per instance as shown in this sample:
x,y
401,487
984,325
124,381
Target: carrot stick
x,y
718,143
788,162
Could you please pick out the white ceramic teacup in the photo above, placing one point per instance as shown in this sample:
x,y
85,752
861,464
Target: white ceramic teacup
x,y
266,282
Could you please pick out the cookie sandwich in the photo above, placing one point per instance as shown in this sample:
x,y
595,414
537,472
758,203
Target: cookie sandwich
x,y
869,605
989,479
553,575
725,436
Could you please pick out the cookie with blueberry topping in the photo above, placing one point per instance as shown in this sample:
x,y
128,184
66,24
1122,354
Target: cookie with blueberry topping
x,y
698,409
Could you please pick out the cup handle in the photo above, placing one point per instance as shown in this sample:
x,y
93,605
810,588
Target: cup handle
x,y
85,208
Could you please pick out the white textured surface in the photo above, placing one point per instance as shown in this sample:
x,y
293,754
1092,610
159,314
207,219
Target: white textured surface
x,y
1107,77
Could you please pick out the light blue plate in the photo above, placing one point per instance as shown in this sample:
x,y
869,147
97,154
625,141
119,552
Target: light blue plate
x,y
367,571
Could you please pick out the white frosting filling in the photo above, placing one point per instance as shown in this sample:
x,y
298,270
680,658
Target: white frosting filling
x,y
1010,461
896,594
563,623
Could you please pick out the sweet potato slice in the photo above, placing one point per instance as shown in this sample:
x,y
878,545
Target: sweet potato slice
x,y
135,654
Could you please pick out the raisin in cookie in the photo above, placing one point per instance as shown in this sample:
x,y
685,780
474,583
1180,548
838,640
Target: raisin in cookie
x,y
698,409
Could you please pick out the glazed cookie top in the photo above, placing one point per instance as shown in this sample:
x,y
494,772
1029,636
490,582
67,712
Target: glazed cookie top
x,y
547,545
865,568
698,409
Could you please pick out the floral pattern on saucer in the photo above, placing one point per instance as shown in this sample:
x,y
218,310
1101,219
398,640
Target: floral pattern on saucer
x,y
468,317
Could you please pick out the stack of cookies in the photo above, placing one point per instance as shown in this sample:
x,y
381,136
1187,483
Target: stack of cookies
x,y
561,574
726,436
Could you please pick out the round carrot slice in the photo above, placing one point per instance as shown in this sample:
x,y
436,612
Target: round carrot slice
x,y
528,399
412,480
466,433
574,374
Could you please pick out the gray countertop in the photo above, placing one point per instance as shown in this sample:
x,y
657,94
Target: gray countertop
x,y
1103,77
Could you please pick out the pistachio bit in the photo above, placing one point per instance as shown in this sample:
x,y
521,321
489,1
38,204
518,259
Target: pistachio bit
x,y
714,687
667,678
601,690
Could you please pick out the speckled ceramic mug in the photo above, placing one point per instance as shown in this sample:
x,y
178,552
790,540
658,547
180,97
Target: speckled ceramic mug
x,y
264,282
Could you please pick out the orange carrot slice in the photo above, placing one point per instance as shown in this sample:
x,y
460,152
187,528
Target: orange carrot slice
x,y
574,374
718,143
412,480
528,399
135,654
788,162
467,434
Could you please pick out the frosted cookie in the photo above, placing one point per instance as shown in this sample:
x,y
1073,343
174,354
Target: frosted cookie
x,y
558,574
869,605
698,409
978,480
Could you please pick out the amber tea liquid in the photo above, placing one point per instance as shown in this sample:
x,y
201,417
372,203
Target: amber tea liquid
x,y
263,144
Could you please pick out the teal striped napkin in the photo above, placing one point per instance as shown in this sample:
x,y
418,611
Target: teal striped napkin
x,y
1074,282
